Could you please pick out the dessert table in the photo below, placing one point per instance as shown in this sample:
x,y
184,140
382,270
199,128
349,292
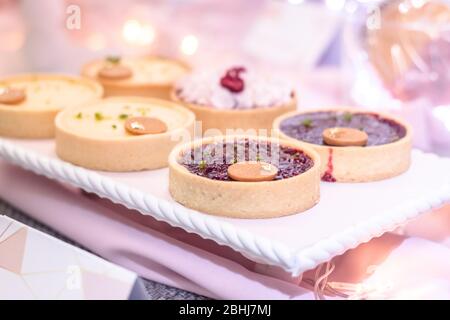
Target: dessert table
x,y
178,259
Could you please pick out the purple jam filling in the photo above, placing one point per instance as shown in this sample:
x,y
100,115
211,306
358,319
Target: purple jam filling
x,y
309,127
212,160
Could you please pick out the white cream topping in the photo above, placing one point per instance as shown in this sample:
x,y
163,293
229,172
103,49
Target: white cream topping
x,y
260,91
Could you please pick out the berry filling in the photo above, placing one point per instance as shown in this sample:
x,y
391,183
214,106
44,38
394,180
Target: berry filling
x,y
232,80
309,127
212,160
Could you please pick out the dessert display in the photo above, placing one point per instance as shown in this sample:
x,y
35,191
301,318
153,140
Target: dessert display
x,y
245,176
122,133
138,76
30,102
234,99
354,145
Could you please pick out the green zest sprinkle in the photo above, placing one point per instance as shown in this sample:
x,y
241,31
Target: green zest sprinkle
x,y
114,126
202,165
99,116
143,111
123,116
113,59
258,157
348,116
307,123
79,115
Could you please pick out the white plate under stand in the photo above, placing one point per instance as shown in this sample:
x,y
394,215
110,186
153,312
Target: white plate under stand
x,y
346,216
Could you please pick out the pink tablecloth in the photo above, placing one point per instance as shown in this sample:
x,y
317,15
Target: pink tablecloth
x,y
413,265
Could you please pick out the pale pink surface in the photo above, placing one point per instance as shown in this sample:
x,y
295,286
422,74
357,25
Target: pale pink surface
x,y
407,267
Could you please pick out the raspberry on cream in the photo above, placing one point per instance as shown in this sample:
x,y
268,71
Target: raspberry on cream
x,y
233,88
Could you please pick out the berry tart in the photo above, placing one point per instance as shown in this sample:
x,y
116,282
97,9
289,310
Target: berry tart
x,y
354,145
245,176
30,102
122,133
138,76
234,99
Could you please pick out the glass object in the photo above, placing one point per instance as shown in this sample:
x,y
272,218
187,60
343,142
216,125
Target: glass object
x,y
399,54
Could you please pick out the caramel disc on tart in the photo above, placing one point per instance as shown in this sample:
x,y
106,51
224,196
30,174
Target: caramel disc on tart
x,y
121,133
235,99
12,95
252,171
116,72
245,176
30,102
145,125
354,145
146,76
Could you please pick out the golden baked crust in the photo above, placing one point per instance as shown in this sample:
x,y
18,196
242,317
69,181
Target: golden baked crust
x,y
359,164
84,146
136,85
217,121
34,118
265,199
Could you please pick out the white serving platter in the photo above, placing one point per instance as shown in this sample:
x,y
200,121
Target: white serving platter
x,y
347,214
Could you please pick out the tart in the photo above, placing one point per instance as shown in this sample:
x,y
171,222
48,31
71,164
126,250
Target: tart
x,y
138,76
234,99
354,145
245,176
30,102
122,133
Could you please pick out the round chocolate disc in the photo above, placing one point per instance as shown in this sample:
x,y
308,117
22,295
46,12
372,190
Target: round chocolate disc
x,y
145,125
344,137
12,96
252,171
118,72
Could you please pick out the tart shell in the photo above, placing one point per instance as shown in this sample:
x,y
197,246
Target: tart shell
x,y
265,199
28,123
122,154
359,164
217,121
126,87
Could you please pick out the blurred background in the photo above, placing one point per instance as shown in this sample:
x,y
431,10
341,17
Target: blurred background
x,y
391,56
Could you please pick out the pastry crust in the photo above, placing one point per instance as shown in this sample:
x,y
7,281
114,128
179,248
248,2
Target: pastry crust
x,y
34,118
134,86
410,43
265,199
216,121
359,164
122,152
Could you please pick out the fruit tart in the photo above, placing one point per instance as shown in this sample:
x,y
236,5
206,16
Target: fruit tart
x,y
245,176
354,145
